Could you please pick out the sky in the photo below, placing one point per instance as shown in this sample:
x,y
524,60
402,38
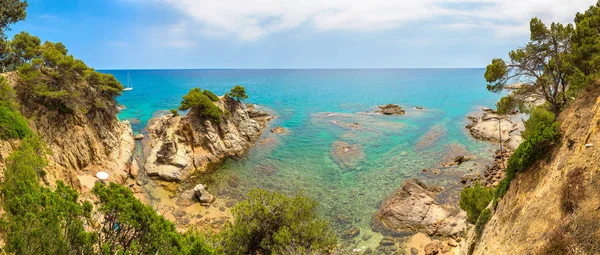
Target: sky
x,y
178,34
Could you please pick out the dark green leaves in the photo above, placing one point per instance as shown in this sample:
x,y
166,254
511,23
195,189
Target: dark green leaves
x,y
238,92
474,200
271,223
201,104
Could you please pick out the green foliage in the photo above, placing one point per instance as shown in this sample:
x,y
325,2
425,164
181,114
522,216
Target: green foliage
x,y
174,112
547,75
541,132
25,47
474,200
586,41
12,124
210,95
38,220
58,81
507,105
482,220
201,104
238,92
271,223
11,11
128,226
7,95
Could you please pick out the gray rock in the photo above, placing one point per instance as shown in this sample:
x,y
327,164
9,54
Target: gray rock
x,y
202,194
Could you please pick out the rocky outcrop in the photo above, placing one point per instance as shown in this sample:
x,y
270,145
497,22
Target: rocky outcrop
x,y
413,208
82,142
178,146
390,109
493,127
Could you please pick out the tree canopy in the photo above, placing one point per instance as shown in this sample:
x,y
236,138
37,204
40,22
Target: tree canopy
x,y
238,92
201,104
542,66
11,11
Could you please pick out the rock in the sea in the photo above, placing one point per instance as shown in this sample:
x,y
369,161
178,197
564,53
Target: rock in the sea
x,y
278,130
202,194
494,127
387,241
346,155
139,137
390,109
178,146
413,208
351,233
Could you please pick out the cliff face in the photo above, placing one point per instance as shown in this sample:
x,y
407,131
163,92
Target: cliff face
x,y
80,143
178,146
531,216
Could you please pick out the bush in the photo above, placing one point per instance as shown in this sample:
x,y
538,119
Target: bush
x,y
200,104
271,223
7,95
541,132
559,243
210,95
174,112
482,220
573,191
12,124
474,200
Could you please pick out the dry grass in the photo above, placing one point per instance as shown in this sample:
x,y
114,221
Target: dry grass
x,y
573,191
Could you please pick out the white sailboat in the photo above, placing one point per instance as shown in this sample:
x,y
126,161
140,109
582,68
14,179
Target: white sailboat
x,y
129,83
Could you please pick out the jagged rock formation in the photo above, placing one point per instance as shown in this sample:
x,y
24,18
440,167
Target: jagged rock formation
x,y
413,208
181,145
529,217
80,143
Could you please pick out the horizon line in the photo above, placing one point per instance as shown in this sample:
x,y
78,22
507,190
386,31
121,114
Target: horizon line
x,y
311,68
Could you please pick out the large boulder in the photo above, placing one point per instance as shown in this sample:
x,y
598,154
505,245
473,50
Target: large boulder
x,y
202,194
413,208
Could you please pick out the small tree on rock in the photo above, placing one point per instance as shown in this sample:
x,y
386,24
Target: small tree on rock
x,y
238,92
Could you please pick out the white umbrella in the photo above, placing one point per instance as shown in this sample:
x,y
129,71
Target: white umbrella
x,y
102,175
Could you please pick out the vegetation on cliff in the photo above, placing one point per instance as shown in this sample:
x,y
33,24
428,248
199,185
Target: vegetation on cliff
x,y
12,124
271,223
238,92
201,104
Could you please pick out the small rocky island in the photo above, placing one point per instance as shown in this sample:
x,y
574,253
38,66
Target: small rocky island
x,y
179,146
390,109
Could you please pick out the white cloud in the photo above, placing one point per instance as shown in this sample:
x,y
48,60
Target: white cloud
x,y
252,19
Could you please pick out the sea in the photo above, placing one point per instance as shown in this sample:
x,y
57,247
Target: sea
x,y
322,107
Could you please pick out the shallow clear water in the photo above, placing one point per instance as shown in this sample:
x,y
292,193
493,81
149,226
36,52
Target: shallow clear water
x,y
318,108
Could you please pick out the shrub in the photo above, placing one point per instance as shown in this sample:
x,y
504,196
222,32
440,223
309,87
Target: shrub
x,y
7,95
12,124
210,95
271,223
541,132
474,200
174,112
572,191
482,220
200,104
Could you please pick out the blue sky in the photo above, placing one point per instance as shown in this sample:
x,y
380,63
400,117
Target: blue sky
x,y
158,34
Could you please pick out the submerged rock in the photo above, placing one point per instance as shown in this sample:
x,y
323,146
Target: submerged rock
x,y
346,155
432,136
278,130
413,208
390,109
351,233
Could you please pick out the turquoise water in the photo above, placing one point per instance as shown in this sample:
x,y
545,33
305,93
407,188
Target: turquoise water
x,y
319,107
